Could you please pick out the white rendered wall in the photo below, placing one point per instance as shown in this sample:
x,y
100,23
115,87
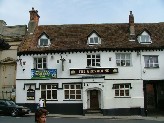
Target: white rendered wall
x,y
22,94
79,61
153,73
136,95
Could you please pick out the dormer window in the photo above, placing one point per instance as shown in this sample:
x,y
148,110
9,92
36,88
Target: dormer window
x,y
44,40
144,38
94,38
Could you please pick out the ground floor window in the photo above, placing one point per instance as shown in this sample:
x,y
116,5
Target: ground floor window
x,y
72,91
122,90
49,92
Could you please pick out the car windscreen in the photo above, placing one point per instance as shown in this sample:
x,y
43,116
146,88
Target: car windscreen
x,y
10,103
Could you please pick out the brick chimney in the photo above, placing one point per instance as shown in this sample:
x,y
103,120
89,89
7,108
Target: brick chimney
x,y
131,24
131,27
34,20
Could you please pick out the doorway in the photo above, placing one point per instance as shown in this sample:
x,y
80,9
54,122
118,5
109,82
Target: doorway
x,y
94,102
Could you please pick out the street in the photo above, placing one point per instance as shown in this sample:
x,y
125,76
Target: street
x,y
30,119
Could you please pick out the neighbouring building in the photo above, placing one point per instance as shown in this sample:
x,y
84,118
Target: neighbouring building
x,y
114,68
10,38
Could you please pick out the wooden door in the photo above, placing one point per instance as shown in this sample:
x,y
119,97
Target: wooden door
x,y
94,103
150,97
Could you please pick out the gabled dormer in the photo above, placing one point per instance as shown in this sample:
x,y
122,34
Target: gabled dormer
x,y
94,38
43,40
144,37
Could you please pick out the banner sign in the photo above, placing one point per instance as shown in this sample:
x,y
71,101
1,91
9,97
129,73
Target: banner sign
x,y
44,74
94,71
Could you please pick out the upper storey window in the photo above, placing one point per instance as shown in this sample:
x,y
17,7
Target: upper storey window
x,y
151,61
44,40
94,38
40,63
123,59
144,38
93,60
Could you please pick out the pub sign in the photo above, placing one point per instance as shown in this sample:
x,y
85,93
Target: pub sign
x,y
44,74
94,71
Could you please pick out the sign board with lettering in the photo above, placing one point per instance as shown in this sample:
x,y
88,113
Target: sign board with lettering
x,y
94,71
44,74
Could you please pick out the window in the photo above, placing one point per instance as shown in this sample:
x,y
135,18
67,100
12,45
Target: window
x,y
49,92
123,59
94,38
144,38
40,63
122,90
72,91
2,103
43,42
93,60
151,61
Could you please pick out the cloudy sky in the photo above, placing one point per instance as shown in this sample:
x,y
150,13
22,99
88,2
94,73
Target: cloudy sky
x,y
16,12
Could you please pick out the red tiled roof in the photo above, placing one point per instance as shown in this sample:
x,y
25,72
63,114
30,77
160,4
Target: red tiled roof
x,y
74,37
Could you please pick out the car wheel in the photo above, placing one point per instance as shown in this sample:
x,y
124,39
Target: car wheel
x,y
13,113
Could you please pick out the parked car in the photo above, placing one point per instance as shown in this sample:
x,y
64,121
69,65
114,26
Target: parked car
x,y
9,107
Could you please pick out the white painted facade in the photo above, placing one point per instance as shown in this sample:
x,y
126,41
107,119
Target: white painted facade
x,y
134,74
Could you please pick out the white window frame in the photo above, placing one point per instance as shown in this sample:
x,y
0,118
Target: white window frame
x,y
40,63
46,43
144,38
51,90
123,59
122,90
151,61
71,92
92,39
93,60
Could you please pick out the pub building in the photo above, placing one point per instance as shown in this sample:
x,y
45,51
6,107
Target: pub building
x,y
111,69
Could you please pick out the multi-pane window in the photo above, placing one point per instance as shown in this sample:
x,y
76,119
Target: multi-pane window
x,y
144,38
151,61
122,90
93,40
49,92
123,59
93,60
40,63
43,42
72,91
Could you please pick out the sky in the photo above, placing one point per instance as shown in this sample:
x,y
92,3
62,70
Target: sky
x,y
58,12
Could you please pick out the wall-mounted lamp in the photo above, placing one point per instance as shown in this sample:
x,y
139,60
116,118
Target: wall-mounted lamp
x,y
52,56
24,62
138,53
144,70
20,61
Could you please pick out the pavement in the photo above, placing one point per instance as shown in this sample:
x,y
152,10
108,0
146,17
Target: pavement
x,y
93,116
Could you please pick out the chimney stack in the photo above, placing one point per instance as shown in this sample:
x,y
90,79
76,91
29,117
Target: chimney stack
x,y
131,26
34,20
